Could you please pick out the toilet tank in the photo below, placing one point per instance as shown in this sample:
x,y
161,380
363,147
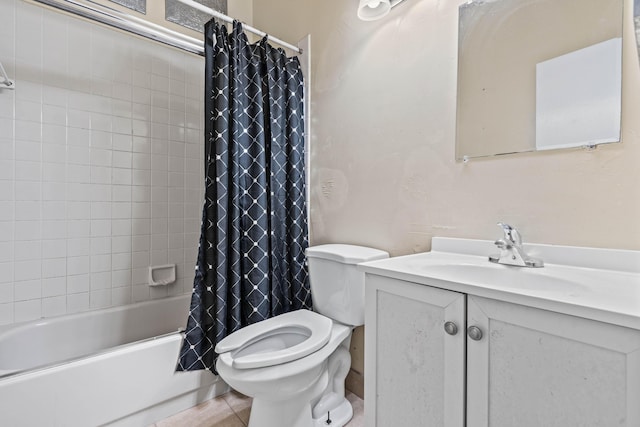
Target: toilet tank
x,y
337,287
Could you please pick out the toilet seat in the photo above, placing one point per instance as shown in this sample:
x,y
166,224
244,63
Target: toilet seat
x,y
258,345
264,379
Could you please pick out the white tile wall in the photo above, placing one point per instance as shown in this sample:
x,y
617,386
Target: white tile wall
x,y
100,164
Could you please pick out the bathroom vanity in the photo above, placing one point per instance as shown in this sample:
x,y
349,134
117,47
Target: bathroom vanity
x,y
454,340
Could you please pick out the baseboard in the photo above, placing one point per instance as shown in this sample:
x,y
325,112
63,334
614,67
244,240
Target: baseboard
x,y
355,383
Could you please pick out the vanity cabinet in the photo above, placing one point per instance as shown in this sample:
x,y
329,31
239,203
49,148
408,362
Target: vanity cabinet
x,y
408,359
497,364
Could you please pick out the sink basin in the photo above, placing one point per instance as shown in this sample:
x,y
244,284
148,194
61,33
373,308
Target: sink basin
x,y
550,278
478,271
600,284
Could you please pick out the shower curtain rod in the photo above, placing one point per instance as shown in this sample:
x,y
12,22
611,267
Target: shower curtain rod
x,y
249,28
112,17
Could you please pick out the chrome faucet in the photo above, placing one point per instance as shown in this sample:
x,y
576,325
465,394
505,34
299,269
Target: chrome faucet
x,y
511,250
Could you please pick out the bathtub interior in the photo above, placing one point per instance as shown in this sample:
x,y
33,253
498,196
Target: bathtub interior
x,y
55,340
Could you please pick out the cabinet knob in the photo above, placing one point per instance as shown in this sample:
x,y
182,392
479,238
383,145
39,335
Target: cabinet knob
x,y
474,333
450,328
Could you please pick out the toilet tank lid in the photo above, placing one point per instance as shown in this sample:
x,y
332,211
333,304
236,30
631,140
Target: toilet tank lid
x,y
347,254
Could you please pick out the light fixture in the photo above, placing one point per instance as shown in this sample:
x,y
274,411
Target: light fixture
x,y
370,10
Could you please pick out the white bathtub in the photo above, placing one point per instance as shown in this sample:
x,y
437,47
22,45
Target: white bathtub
x,y
110,367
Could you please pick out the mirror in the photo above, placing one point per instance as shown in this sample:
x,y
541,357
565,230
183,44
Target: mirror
x,y
538,75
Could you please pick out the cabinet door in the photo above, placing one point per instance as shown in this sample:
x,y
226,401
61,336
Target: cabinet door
x,y
414,370
535,368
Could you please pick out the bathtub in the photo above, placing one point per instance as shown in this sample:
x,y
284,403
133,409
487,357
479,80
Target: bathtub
x,y
110,367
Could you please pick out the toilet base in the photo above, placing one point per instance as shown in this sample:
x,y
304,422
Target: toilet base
x,y
297,413
339,416
277,414
292,412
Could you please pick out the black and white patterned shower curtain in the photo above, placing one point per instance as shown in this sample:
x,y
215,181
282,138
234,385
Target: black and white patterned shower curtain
x,y
251,262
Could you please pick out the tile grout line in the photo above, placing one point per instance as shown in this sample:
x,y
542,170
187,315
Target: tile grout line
x,y
231,407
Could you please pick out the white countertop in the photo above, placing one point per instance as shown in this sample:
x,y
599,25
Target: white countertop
x,y
566,284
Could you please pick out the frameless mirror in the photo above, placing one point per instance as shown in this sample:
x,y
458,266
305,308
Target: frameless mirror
x,y
538,75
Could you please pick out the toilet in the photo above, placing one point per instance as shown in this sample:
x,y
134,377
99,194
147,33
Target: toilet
x,y
294,365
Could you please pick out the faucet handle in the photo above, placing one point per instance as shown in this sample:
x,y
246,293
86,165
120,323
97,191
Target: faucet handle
x,y
511,250
501,244
511,235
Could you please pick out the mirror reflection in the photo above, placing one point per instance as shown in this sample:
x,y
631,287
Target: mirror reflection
x,y
538,75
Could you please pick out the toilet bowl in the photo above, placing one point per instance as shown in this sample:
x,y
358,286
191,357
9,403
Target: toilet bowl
x,y
294,365
282,393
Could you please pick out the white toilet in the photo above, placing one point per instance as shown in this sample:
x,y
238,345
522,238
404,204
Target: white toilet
x,y
294,365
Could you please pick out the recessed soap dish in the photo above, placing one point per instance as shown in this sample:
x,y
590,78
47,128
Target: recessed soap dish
x,y
162,275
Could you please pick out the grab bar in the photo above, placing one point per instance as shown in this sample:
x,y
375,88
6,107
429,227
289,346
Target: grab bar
x,y
7,83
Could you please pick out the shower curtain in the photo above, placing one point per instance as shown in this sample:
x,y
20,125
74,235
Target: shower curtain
x,y
251,262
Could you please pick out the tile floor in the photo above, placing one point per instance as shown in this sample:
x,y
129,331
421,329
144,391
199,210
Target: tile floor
x,y
232,410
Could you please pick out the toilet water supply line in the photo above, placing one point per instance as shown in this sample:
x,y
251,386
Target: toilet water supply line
x,y
7,83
